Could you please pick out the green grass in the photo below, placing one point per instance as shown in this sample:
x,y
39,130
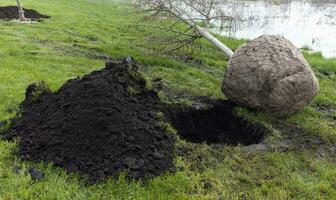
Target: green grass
x,y
70,44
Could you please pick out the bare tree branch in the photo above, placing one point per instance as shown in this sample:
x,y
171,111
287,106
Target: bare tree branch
x,y
197,16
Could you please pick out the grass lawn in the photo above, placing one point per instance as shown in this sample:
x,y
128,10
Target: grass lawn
x,y
73,42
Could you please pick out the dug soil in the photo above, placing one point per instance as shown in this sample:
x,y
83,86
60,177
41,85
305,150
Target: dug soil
x,y
109,121
98,125
11,12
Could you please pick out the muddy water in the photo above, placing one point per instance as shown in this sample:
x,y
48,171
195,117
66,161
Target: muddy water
x,y
305,23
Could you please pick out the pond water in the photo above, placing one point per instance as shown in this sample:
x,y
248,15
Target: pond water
x,y
305,23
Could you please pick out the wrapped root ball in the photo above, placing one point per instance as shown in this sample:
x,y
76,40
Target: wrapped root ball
x,y
270,74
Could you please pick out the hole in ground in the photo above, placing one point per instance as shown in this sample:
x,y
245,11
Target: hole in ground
x,y
215,124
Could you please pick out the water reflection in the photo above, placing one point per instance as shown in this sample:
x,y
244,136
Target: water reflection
x,y
305,23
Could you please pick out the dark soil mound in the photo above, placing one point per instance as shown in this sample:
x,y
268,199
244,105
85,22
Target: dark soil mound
x,y
215,124
11,12
97,125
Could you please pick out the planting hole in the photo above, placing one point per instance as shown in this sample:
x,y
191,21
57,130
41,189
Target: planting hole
x,y
216,124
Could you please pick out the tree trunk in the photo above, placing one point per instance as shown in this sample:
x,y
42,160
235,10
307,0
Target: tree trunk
x,y
21,11
205,33
226,50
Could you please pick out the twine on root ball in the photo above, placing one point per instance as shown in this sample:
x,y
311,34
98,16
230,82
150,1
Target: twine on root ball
x,y
270,74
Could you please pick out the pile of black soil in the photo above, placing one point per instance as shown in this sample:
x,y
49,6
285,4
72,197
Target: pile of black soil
x,y
11,12
216,123
97,125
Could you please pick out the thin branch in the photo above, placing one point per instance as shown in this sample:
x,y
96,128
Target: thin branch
x,y
191,13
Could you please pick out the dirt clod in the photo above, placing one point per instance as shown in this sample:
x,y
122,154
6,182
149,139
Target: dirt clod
x,y
34,93
16,169
11,12
95,126
2,124
35,174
